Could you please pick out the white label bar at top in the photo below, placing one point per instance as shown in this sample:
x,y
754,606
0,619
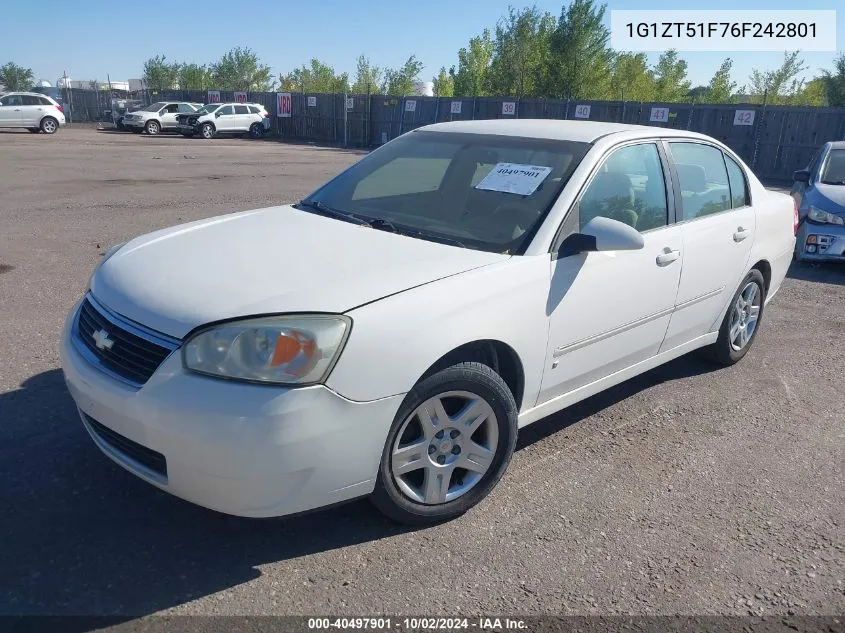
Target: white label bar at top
x,y
723,30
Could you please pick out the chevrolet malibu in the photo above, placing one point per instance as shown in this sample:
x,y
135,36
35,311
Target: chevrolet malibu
x,y
388,335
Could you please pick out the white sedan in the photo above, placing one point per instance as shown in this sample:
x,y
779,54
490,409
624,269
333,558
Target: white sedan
x,y
388,335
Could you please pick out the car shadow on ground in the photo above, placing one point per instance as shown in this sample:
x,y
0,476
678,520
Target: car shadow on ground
x,y
826,273
82,536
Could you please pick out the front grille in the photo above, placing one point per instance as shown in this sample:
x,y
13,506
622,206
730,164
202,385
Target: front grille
x,y
121,349
147,457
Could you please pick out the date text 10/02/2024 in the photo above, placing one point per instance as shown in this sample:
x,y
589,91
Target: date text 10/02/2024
x,y
417,624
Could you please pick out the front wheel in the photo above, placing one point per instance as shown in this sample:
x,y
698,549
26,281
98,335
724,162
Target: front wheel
x,y
152,128
448,446
741,322
207,130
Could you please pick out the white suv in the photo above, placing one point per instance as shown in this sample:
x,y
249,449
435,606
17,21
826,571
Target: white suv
x,y
226,118
158,117
30,110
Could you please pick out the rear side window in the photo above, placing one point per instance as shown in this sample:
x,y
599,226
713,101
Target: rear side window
x,y
254,109
703,179
45,101
241,109
31,100
739,185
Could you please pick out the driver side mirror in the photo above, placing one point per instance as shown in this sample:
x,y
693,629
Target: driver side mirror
x,y
802,175
602,234
217,114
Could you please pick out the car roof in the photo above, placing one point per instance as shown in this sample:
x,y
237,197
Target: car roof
x,y
579,131
837,145
23,92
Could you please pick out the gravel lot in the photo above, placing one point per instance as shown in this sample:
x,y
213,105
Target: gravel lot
x,y
688,490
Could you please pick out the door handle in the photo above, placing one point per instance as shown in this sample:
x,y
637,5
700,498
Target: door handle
x,y
17,109
741,234
667,256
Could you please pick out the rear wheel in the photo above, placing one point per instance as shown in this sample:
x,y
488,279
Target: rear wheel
x,y
207,130
741,322
448,446
152,128
49,125
256,130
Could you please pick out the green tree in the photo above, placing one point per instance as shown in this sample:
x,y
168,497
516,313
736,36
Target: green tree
x,y
240,69
579,61
834,82
670,78
779,86
194,77
15,77
630,78
521,52
720,89
367,77
316,77
160,74
813,94
401,81
470,78
444,84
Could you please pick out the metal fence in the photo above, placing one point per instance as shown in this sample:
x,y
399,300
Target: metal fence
x,y
773,140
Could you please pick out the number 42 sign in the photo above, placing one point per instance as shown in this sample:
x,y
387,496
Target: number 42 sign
x,y
744,117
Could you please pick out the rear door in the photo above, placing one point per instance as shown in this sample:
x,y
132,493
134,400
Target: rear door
x,y
243,118
31,110
10,111
718,224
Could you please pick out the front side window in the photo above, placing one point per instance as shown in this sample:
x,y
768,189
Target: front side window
x,y
208,109
739,185
486,192
11,100
834,168
703,179
225,110
628,187
153,107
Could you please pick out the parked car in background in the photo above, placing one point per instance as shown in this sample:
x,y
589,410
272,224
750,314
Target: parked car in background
x,y
819,192
31,110
226,118
122,107
389,334
158,117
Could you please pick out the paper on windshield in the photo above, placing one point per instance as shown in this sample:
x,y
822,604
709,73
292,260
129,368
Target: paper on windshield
x,y
514,178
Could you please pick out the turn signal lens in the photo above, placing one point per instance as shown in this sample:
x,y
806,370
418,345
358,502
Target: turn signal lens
x,y
812,239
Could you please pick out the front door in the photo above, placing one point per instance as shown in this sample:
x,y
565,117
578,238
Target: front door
x,y
610,310
10,111
225,119
167,116
718,225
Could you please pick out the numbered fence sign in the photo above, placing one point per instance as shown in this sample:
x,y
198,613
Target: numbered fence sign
x,y
582,112
456,107
744,117
350,103
214,96
312,102
509,107
240,97
284,105
410,106
659,115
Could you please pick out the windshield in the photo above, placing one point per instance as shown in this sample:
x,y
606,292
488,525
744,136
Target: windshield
x,y
834,168
486,192
153,107
208,109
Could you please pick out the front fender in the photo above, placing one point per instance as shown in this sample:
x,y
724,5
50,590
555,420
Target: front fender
x,y
396,339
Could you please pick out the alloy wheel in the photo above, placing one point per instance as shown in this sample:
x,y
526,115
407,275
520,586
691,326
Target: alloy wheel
x,y
744,316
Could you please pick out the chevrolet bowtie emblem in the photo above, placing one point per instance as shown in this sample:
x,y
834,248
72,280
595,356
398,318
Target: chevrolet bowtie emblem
x,y
102,340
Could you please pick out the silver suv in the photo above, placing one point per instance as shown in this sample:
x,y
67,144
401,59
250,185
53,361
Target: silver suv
x,y
226,118
30,110
158,117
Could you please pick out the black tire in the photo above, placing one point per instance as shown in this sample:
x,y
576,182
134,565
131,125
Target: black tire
x,y
207,131
722,351
256,130
34,130
49,125
152,128
479,380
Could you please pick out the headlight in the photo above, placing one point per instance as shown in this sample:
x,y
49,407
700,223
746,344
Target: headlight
x,y
282,350
823,217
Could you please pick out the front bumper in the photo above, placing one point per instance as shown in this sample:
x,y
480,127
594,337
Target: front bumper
x,y
828,240
133,123
246,450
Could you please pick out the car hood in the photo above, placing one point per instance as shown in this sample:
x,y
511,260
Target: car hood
x,y
831,198
273,260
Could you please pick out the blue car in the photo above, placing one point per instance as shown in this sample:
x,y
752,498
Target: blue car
x,y
819,191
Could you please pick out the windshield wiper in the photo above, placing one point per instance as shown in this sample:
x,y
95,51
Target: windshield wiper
x,y
384,225
833,182
331,212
